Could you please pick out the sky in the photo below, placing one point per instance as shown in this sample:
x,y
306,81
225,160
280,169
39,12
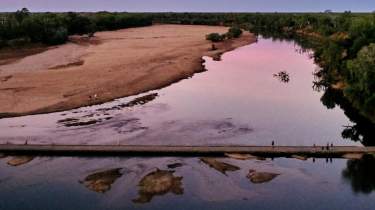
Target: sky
x,y
189,5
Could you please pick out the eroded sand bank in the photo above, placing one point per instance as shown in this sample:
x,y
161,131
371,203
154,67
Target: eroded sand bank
x,y
117,64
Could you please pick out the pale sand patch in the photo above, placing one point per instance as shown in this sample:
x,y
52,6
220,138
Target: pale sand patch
x,y
126,62
59,56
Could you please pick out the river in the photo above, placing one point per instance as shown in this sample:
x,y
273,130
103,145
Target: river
x,y
254,95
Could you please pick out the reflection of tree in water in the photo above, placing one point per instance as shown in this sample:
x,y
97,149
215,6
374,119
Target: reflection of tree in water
x,y
328,60
363,128
361,174
283,76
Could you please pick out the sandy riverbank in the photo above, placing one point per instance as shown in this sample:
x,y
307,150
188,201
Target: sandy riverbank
x,y
114,65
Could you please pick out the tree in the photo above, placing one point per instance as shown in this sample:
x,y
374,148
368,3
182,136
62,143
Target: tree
x,y
234,32
22,14
78,24
58,36
361,89
215,37
328,11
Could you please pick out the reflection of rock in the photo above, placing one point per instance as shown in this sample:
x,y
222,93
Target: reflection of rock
x,y
159,182
219,166
261,177
20,160
361,174
240,156
101,181
2,155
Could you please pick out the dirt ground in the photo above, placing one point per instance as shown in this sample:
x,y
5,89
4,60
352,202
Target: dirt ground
x,y
113,65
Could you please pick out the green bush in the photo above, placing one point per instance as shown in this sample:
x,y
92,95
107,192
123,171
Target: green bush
x,y
361,88
234,32
215,37
59,36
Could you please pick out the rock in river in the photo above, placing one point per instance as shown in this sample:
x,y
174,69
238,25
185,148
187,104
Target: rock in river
x,y
102,181
219,166
175,165
353,156
240,156
261,177
159,182
20,160
300,157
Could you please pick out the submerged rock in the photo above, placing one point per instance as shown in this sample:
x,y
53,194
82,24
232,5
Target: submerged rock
x,y
240,156
353,156
174,165
300,157
135,102
219,166
140,100
261,177
159,182
20,160
75,122
101,182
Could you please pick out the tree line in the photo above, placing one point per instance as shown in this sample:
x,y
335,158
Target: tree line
x,y
23,27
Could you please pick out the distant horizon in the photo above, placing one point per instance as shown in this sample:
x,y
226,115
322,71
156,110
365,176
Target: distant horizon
x,y
266,6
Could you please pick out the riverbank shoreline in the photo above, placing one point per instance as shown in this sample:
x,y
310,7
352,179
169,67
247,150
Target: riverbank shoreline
x,y
118,64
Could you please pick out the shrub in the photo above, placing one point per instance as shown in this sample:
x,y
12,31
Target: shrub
x,y
361,87
215,37
234,32
59,36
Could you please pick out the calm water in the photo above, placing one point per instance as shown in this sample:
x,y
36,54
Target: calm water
x,y
237,101
59,183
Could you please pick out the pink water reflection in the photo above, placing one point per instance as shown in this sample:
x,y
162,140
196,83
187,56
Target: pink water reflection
x,y
237,101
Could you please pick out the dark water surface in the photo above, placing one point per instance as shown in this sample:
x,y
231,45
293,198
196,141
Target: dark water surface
x,y
240,100
257,94
59,183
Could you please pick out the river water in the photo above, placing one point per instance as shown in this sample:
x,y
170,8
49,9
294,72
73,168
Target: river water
x,y
238,101
255,95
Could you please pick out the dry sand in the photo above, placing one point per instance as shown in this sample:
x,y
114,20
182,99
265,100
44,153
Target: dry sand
x,y
113,65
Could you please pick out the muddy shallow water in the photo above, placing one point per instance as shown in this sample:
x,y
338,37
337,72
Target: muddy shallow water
x,y
255,95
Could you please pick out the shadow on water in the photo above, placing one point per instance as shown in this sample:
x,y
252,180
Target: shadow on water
x,y
363,128
361,174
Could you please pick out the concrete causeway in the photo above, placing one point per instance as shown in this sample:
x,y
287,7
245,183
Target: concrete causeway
x,y
140,150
